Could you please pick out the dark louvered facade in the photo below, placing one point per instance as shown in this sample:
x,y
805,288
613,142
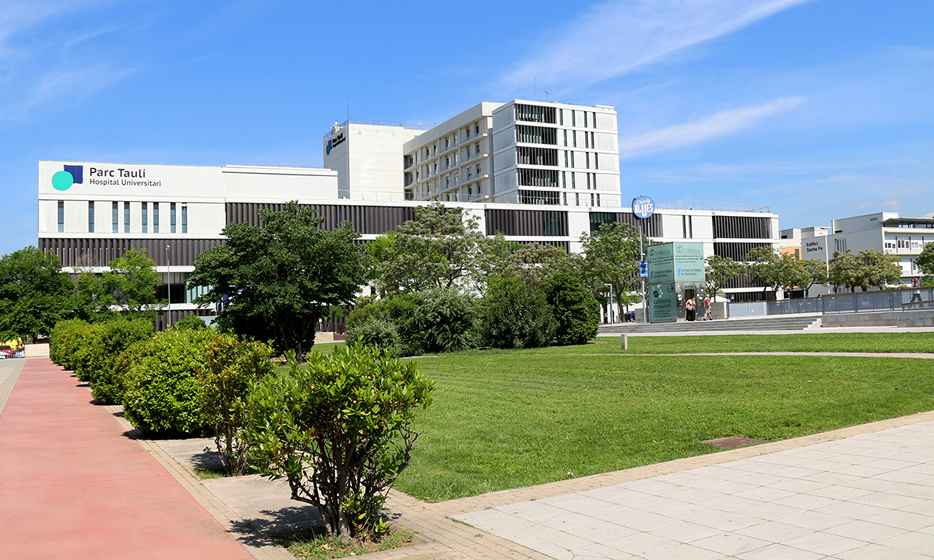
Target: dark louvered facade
x,y
527,223
741,227
78,252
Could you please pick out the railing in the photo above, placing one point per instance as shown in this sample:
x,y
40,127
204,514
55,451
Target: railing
x,y
910,299
711,207
376,123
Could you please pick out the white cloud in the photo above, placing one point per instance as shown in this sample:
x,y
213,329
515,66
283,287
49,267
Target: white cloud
x,y
714,126
892,205
619,35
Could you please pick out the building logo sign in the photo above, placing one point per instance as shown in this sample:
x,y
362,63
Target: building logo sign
x,y
63,180
334,142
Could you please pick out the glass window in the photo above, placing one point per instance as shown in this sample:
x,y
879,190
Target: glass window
x,y
184,218
573,118
561,113
61,215
477,128
116,217
155,217
90,217
573,181
172,217
574,137
145,217
126,217
598,200
585,119
577,198
587,157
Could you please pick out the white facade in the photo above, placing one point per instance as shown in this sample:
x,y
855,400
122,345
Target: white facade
x,y
527,152
367,156
887,233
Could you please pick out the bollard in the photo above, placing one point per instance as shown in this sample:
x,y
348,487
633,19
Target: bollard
x,y
624,341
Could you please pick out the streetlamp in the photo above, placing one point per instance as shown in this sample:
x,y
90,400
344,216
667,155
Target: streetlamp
x,y
168,274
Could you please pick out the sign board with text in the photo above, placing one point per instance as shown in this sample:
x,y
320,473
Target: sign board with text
x,y
676,262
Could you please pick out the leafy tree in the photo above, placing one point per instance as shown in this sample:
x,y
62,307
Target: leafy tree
x,y
535,262
127,288
275,281
339,429
868,268
441,247
574,307
515,315
190,322
446,320
925,260
878,269
388,323
844,270
719,271
34,293
764,264
233,365
611,256
817,274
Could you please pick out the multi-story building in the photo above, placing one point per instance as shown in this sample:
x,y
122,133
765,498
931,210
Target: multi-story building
x,y
525,152
885,232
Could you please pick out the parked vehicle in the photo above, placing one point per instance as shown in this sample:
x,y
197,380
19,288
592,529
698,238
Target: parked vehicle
x,y
6,351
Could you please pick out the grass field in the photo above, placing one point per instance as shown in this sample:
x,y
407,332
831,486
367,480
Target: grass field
x,y
507,419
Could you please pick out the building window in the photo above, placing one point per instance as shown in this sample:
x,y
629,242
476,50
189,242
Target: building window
x,y
598,200
587,157
477,129
573,118
126,217
90,217
585,119
467,130
184,218
574,137
145,217
478,170
565,138
116,217
591,194
566,158
594,121
172,217
573,182
561,113
572,160
478,148
588,181
596,161
577,197
155,217
564,179
840,245
565,199
61,215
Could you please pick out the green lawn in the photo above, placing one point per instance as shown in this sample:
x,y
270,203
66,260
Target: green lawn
x,y
824,342
510,419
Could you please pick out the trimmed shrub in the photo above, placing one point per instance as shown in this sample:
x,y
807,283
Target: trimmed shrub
x,y
513,315
83,351
339,430
233,365
162,387
64,340
380,333
108,341
576,311
447,321
191,322
134,353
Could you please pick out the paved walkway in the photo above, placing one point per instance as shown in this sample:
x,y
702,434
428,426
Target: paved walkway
x,y
71,486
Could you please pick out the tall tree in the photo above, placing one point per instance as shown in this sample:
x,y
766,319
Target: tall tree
x,y
275,281
817,274
611,256
441,247
34,293
925,260
764,264
878,269
127,288
844,270
719,271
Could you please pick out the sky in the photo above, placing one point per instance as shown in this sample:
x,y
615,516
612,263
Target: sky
x,y
817,109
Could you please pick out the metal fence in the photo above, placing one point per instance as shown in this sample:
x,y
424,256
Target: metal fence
x,y
885,300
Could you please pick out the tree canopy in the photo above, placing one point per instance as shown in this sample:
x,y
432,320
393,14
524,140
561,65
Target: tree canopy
x,y
719,271
925,260
128,288
611,256
34,293
863,270
274,282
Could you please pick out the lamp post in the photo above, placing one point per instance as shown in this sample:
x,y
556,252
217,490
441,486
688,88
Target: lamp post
x,y
168,274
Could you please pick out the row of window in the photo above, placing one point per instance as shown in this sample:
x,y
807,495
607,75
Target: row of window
x,y
569,161
120,215
547,115
555,198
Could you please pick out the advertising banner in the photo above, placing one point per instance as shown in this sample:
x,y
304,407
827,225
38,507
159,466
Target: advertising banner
x,y
664,303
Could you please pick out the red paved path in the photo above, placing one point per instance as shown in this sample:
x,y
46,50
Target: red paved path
x,y
72,486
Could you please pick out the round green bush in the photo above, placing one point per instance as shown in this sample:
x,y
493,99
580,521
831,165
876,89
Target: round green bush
x,y
576,310
515,316
63,341
190,322
447,320
109,340
162,388
380,333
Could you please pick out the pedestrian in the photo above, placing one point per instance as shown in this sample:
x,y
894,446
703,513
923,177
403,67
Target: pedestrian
x,y
689,306
707,315
916,294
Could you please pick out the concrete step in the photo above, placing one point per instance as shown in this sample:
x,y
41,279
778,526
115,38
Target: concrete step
x,y
759,324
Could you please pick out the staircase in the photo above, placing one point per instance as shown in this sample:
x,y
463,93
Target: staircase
x,y
798,322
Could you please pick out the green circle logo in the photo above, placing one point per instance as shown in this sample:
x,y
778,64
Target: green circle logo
x,y
62,181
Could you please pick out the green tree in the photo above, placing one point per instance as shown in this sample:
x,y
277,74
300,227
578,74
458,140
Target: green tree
x,y
719,271
275,281
574,307
34,293
844,270
878,269
441,247
339,429
515,315
925,260
764,264
127,288
817,274
611,256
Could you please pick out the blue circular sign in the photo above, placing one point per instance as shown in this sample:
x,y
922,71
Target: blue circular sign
x,y
643,207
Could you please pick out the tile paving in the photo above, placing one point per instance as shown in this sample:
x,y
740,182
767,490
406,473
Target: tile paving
x,y
866,496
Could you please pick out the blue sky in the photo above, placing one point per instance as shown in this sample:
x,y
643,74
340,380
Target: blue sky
x,y
819,109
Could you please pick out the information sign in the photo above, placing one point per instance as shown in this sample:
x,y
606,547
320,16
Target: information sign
x,y
643,207
644,269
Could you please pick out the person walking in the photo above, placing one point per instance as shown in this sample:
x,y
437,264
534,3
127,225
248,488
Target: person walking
x,y
916,286
707,315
